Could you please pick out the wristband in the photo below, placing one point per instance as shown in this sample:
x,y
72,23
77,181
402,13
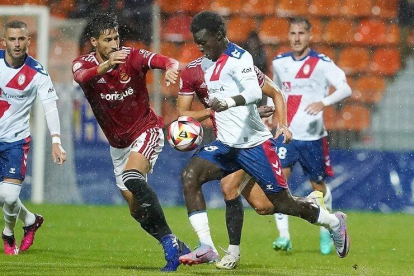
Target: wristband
x,y
56,140
230,102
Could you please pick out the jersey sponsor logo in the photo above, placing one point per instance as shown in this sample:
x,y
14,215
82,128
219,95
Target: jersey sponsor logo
x,y
8,96
247,70
124,78
118,96
21,79
287,86
76,66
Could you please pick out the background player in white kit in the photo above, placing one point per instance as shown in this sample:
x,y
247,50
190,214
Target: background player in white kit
x,y
22,80
243,141
305,77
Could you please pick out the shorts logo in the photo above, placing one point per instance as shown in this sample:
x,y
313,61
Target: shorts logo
x,y
124,78
269,187
12,170
21,79
211,148
287,86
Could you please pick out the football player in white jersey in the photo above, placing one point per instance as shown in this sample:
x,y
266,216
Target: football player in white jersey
x,y
305,77
243,141
22,79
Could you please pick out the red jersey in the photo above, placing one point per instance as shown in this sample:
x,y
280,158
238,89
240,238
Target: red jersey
x,y
119,98
192,81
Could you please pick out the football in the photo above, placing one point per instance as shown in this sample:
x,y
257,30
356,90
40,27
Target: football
x,y
185,133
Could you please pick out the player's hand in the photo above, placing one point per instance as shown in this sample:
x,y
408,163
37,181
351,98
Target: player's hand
x,y
314,108
171,76
287,134
218,105
266,111
116,58
58,154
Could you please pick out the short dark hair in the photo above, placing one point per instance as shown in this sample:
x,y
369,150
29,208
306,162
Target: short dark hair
x,y
15,24
300,20
209,21
100,22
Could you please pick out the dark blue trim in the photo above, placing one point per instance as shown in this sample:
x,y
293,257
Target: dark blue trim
x,y
231,47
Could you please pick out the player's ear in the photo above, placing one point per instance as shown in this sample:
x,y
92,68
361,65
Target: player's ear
x,y
4,41
93,41
220,35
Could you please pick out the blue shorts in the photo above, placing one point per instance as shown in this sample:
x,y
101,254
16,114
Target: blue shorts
x,y
261,162
13,159
313,156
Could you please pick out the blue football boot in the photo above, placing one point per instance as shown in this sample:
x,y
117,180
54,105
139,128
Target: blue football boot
x,y
173,249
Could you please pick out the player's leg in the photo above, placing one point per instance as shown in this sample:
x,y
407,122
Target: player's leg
x,y
13,157
288,156
267,170
209,163
131,166
315,161
194,175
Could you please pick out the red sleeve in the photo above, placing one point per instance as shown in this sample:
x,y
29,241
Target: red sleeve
x,y
260,76
145,59
83,72
186,87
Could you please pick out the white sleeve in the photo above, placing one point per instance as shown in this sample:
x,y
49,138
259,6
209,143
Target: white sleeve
x,y
52,117
336,77
245,74
45,89
276,78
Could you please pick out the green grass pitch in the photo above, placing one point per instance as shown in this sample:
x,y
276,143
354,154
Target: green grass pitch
x,y
105,240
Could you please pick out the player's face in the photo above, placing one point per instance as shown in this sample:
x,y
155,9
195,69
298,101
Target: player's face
x,y
208,44
107,43
299,37
16,42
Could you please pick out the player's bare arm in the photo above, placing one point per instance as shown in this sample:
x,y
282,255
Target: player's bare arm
x,y
184,104
273,92
171,75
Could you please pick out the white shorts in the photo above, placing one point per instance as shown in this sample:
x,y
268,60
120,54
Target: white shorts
x,y
149,144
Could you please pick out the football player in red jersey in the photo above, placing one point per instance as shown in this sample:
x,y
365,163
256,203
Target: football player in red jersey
x,y
192,83
113,81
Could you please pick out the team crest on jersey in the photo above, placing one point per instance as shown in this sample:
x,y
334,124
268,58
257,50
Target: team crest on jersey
x,y
124,78
306,69
76,66
21,79
287,86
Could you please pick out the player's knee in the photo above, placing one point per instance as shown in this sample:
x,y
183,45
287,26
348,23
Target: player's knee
x,y
10,199
229,192
264,210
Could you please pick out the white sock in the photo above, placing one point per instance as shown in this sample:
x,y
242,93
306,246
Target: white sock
x,y
329,221
1,195
234,249
10,193
25,215
199,221
328,199
282,223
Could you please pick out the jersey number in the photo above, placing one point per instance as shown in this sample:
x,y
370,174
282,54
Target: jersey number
x,y
4,105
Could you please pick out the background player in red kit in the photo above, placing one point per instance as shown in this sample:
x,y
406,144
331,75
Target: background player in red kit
x,y
113,81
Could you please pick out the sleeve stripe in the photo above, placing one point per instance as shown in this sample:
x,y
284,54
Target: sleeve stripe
x,y
149,60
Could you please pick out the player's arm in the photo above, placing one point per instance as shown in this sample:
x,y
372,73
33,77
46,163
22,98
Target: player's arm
x,y
335,77
47,95
184,104
170,65
278,100
82,75
251,93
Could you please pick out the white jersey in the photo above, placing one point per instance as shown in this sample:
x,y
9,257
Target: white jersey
x,y
18,90
304,82
241,126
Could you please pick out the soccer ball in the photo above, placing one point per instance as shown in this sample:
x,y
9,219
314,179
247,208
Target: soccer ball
x,y
185,133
